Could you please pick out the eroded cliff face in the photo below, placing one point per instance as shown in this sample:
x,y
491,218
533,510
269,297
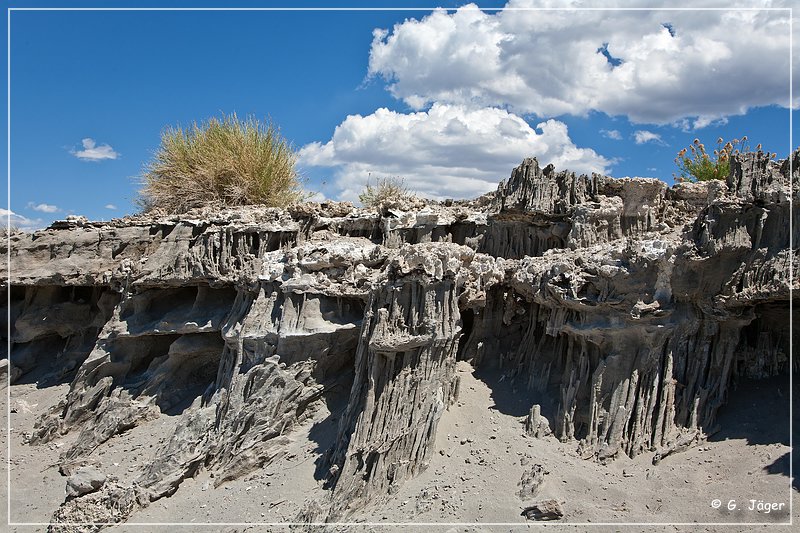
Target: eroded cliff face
x,y
620,308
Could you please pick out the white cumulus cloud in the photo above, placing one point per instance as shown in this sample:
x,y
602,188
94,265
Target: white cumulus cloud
x,y
92,152
43,208
448,151
651,66
611,134
644,136
110,206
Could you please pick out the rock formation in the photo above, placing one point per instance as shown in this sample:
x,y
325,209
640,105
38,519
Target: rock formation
x,y
621,308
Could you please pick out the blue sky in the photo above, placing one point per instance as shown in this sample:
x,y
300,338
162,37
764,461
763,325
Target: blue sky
x,y
450,101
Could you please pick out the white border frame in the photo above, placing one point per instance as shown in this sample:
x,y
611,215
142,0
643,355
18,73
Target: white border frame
x,y
9,10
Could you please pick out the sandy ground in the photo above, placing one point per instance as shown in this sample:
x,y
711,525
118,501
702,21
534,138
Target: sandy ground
x,y
481,452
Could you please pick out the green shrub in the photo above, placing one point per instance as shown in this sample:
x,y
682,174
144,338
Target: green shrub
x,y
386,190
695,164
223,160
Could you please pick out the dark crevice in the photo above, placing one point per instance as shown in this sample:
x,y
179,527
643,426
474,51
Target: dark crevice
x,y
467,323
53,329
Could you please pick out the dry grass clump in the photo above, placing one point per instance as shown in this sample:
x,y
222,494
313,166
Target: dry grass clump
x,y
387,190
223,160
697,165
6,230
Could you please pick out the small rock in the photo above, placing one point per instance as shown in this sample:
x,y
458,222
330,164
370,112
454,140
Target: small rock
x,y
5,367
531,482
544,510
85,480
536,425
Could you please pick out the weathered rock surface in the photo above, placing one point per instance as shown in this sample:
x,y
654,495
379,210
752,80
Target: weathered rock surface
x,y
544,510
85,480
536,425
531,482
622,309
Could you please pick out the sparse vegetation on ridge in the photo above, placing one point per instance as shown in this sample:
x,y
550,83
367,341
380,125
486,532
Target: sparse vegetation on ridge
x,y
9,230
223,160
386,190
695,164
